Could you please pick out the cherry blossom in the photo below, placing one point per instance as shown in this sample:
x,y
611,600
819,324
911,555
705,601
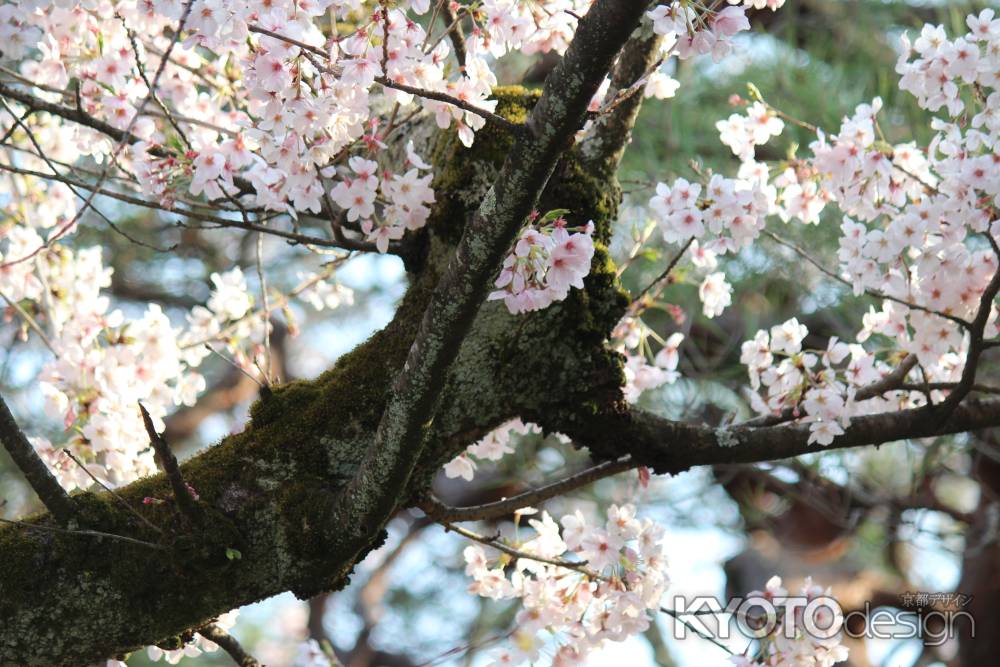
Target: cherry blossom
x,y
492,447
715,294
546,262
789,641
609,599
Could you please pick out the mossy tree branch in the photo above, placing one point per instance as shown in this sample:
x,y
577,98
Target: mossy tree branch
x,y
604,145
669,446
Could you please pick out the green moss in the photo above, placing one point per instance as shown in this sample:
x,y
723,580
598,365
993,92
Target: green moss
x,y
516,365
462,175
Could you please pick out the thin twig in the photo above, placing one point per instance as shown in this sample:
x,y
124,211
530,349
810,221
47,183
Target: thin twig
x,y
965,324
30,321
666,272
230,645
233,363
496,543
133,40
266,371
84,533
707,637
107,488
441,512
891,381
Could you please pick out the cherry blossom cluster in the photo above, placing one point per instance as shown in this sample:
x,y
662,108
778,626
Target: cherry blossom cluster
x,y
732,211
806,382
492,447
928,206
610,595
547,260
790,642
406,197
917,223
100,358
257,104
820,387
919,232
742,133
692,30
692,33
631,338
529,27
728,214
942,67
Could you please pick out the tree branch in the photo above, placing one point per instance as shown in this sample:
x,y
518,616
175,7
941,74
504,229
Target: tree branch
x,y
230,645
52,495
671,447
605,142
440,512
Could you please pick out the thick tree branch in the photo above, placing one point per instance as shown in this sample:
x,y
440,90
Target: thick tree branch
x,y
268,493
672,447
605,142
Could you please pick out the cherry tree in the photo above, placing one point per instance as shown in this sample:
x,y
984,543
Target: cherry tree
x,y
312,133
